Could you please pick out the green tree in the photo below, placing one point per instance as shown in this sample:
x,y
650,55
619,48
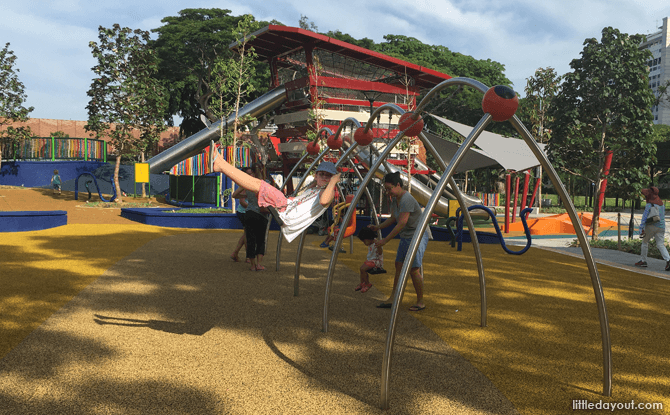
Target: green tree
x,y
232,78
364,43
466,106
662,141
605,105
305,23
663,95
124,96
188,45
540,91
12,99
59,134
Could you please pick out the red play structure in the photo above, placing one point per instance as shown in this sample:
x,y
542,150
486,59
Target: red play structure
x,y
344,80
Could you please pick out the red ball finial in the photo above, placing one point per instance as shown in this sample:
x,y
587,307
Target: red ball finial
x,y
313,148
363,138
501,102
411,124
334,142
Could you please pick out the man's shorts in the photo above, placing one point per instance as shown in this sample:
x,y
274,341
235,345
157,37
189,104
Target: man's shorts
x,y
403,246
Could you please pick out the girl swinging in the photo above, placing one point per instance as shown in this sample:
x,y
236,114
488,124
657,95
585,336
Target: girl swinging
x,y
294,214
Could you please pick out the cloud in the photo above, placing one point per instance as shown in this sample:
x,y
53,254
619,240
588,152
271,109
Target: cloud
x,y
50,39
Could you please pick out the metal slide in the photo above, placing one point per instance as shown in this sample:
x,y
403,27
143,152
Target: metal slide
x,y
420,191
196,143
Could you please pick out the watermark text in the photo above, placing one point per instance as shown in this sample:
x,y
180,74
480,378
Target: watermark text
x,y
583,404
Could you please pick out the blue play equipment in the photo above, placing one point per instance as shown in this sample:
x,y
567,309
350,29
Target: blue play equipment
x,y
76,188
522,214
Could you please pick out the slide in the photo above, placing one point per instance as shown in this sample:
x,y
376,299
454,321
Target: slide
x,y
420,191
196,143
431,181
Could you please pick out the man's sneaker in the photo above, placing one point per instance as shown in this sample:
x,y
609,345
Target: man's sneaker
x,y
643,264
667,266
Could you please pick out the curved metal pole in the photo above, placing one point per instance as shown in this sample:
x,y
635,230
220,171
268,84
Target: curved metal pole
x,y
296,278
298,259
391,107
586,250
290,175
347,217
450,82
373,209
413,247
473,233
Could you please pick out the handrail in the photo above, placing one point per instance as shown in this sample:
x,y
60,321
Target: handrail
x,y
76,187
459,231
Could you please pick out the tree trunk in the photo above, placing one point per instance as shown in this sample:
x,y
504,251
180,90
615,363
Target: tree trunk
x,y
596,210
117,167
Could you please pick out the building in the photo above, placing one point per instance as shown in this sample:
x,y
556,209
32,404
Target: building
x,y
43,127
659,68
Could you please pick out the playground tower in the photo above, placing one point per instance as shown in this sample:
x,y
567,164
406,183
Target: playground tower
x,y
341,80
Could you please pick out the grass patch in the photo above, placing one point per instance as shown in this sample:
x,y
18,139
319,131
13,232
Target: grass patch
x,y
200,210
114,205
631,246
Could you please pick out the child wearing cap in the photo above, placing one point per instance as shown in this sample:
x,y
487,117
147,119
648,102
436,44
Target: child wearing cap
x,y
294,214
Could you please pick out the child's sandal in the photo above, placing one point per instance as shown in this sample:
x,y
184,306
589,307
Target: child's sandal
x,y
366,287
359,287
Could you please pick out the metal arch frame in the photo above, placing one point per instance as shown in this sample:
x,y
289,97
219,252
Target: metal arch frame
x,y
381,158
456,159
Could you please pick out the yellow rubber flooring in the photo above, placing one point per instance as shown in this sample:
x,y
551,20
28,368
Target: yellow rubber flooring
x,y
542,346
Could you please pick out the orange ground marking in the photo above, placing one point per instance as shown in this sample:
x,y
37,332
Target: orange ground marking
x,y
559,224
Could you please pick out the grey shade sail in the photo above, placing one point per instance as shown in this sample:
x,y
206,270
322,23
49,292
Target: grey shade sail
x,y
474,159
511,153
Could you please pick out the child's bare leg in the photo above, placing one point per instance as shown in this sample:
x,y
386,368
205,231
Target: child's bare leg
x,y
219,165
240,243
365,277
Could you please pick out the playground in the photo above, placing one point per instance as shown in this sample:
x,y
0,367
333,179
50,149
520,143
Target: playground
x,y
104,314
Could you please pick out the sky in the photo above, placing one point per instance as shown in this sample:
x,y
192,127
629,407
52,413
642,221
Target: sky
x,y
50,38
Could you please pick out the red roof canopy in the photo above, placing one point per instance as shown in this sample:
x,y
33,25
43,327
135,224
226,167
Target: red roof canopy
x,y
274,40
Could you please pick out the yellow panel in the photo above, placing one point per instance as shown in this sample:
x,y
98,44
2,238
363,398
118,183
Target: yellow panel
x,y
453,205
141,172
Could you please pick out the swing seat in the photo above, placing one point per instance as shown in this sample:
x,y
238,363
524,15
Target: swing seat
x,y
377,270
351,228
